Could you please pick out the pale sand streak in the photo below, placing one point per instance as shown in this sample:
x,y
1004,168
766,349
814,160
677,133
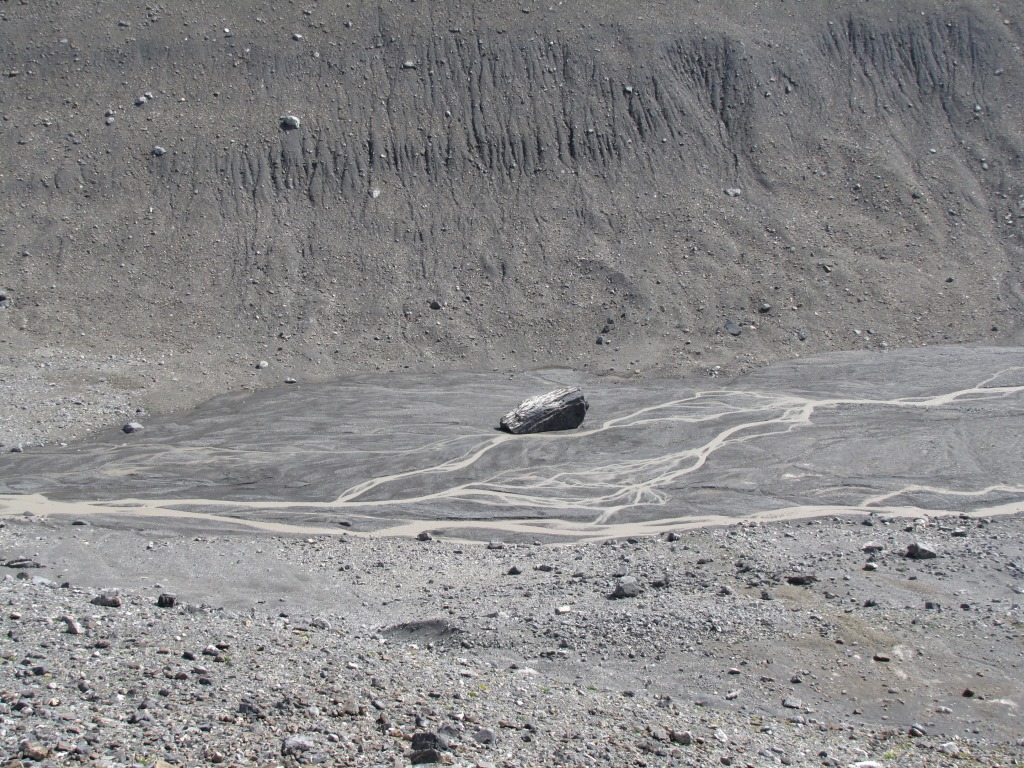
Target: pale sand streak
x,y
611,488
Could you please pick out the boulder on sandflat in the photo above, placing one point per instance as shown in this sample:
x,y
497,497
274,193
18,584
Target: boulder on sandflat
x,y
561,409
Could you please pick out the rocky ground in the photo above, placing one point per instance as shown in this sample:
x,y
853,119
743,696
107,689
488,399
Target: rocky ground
x,y
654,189
820,643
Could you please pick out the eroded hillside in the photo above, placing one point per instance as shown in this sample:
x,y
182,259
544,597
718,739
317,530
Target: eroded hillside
x,y
822,175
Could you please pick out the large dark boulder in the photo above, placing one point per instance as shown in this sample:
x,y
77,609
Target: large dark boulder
x,y
562,409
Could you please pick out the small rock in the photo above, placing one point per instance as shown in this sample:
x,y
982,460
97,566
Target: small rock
x,y
108,600
262,364
290,122
791,702
22,562
916,731
425,740
733,328
495,544
73,627
35,751
249,707
627,586
485,736
167,600
918,551
132,427
159,151
734,191
424,536
425,756
294,745
950,748
801,579
515,570
682,737
658,733
435,304
408,64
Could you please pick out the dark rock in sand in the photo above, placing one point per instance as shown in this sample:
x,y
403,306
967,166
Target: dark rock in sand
x,y
427,747
22,562
801,579
561,409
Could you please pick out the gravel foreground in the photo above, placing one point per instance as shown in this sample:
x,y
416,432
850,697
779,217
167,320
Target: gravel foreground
x,y
815,643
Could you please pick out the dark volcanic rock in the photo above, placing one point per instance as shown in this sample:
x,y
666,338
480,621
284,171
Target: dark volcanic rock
x,y
561,409
801,579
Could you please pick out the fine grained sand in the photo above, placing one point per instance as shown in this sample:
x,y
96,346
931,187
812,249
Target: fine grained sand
x,y
843,434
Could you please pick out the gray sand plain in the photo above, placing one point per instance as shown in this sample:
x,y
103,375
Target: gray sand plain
x,y
912,432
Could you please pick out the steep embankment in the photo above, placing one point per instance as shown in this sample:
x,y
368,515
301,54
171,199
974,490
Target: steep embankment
x,y
536,171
